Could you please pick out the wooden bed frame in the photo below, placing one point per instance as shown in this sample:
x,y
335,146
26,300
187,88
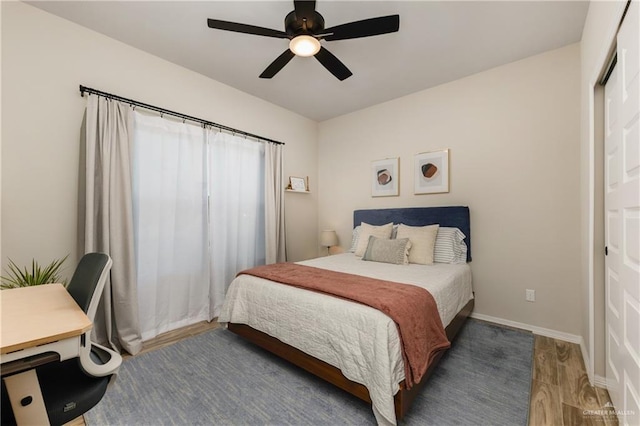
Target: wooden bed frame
x,y
333,375
454,216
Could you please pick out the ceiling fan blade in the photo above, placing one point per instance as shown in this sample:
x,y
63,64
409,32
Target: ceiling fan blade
x,y
364,28
245,29
333,64
278,64
304,8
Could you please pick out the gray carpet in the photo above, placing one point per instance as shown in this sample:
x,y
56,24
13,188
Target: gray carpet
x,y
218,379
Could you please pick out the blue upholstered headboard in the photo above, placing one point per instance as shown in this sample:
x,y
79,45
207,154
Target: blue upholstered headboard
x,y
452,216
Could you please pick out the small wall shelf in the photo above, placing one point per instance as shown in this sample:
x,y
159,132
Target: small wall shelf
x,y
299,192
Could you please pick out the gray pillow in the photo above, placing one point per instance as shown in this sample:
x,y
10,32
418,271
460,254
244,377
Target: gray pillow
x,y
388,251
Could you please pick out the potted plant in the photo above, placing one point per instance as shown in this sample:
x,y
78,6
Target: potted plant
x,y
17,277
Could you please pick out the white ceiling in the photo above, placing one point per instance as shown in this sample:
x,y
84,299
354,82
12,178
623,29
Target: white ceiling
x,y
438,41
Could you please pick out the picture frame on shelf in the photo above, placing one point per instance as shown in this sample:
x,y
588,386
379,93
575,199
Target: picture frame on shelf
x,y
385,177
431,172
297,184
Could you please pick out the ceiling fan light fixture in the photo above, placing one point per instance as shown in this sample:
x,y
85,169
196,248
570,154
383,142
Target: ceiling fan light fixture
x,y
304,28
304,45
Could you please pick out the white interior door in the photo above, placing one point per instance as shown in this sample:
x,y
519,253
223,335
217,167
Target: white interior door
x,y
622,222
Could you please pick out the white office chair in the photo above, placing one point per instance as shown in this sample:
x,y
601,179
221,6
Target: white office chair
x,y
93,268
72,387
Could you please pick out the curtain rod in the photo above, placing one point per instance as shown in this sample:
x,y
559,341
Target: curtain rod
x,y
89,90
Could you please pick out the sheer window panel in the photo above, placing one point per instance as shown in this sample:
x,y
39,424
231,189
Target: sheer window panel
x,y
170,221
236,210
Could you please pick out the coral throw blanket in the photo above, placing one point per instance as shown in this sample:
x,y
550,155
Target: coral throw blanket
x,y
412,308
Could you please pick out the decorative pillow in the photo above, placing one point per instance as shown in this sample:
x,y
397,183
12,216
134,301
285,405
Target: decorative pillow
x,y
366,230
423,239
356,233
450,246
388,251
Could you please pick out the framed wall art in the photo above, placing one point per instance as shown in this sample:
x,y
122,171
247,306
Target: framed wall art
x,y
385,177
297,184
431,172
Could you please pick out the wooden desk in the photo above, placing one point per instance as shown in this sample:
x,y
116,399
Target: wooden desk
x,y
34,321
38,315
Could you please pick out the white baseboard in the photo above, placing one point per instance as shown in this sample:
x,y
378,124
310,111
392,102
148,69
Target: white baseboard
x,y
587,363
600,381
560,335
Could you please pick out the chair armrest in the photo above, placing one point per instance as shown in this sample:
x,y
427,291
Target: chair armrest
x,y
101,369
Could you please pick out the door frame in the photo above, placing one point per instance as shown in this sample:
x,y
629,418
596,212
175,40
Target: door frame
x,y
602,62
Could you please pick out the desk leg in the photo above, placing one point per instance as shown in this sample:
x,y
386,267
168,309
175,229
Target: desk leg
x,y
20,387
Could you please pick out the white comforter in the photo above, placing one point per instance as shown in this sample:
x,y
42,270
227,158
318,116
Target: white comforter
x,y
359,340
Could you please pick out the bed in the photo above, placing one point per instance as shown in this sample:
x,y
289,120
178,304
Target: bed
x,y
353,346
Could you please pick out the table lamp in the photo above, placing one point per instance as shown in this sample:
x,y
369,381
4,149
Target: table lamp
x,y
328,239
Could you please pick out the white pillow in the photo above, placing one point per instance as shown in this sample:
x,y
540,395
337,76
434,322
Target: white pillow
x,y
450,246
356,233
423,239
366,230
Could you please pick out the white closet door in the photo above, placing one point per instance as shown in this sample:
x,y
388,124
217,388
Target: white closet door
x,y
622,227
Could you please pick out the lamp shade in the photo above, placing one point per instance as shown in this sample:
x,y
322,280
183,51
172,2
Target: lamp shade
x,y
328,238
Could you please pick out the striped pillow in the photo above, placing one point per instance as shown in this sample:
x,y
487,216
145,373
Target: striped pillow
x,y
388,251
354,239
450,246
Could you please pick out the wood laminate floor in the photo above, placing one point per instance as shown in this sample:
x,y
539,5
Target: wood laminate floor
x,y
175,336
560,390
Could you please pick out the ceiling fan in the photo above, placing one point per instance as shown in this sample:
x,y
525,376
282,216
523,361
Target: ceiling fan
x,y
304,27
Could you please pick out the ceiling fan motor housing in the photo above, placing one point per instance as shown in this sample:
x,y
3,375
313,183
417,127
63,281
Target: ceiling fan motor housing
x,y
309,24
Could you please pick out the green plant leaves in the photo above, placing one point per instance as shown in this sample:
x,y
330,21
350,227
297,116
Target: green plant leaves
x,y
17,277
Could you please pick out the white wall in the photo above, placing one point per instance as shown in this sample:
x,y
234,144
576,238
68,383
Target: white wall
x,y
597,37
44,60
513,135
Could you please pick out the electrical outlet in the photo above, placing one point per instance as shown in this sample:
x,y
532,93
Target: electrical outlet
x,y
530,295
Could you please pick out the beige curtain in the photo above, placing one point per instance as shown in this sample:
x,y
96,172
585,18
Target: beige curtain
x,y
274,204
108,218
